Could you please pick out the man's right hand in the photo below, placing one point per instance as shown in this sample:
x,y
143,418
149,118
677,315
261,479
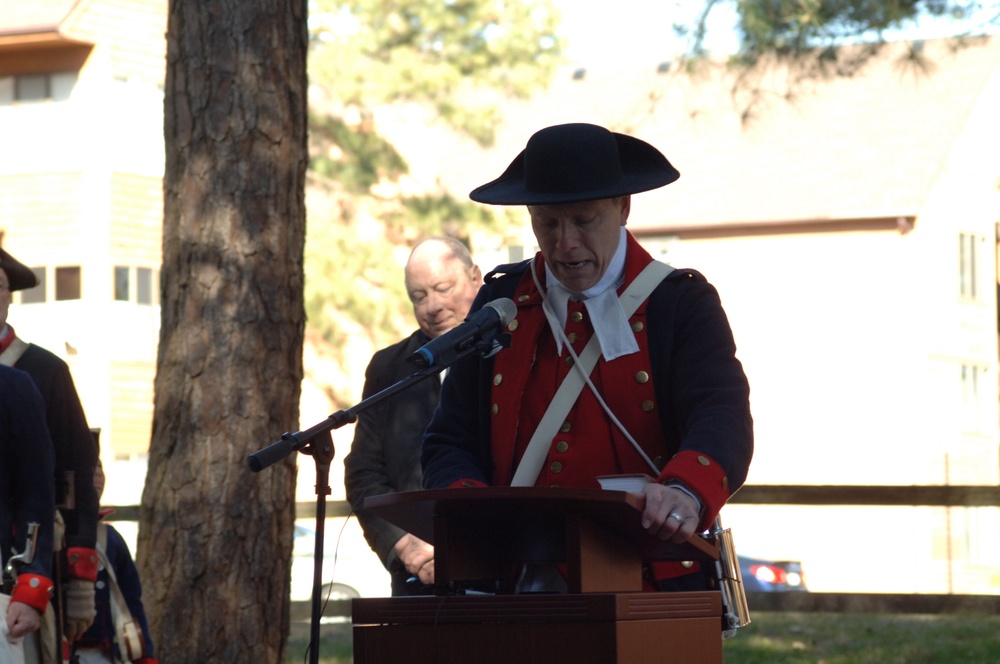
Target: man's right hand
x,y
417,556
22,619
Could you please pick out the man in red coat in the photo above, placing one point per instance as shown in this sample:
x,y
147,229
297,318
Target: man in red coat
x,y
666,395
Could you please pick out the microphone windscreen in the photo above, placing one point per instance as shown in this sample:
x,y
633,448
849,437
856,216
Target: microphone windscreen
x,y
505,307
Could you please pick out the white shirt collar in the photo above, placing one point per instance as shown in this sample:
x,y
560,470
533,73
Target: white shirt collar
x,y
610,323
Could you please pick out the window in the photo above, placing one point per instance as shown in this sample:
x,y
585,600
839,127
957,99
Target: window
x,y
121,283
974,389
144,285
68,283
55,86
138,286
61,85
970,247
6,90
36,294
32,87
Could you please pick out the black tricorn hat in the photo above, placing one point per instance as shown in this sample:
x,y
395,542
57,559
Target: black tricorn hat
x,y
576,162
19,274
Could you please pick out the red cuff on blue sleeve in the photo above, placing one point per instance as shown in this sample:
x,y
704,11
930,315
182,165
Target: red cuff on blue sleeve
x,y
81,563
33,590
703,475
465,484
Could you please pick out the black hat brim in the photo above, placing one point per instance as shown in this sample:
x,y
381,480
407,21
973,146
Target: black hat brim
x,y
19,275
642,168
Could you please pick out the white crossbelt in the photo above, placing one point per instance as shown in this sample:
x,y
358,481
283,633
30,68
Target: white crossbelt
x,y
538,447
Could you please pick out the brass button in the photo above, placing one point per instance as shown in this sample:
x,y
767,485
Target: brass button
x,y
725,483
556,467
642,378
569,360
523,298
576,316
562,446
660,462
648,405
637,326
687,564
703,460
495,409
497,379
512,325
566,426
34,582
572,336
468,483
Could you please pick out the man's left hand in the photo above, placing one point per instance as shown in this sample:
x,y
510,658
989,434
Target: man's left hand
x,y
79,608
669,513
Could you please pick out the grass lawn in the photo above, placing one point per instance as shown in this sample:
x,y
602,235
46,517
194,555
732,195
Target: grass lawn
x,y
796,638
335,644
834,638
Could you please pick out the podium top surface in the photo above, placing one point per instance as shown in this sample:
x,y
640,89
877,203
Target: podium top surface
x,y
519,513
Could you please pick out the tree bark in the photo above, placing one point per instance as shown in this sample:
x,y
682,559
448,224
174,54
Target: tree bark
x,y
215,539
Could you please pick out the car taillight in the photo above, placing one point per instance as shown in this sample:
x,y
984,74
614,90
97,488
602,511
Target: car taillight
x,y
769,573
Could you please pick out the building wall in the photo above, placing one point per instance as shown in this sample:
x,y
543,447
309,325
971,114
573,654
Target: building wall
x,y
132,32
854,344
81,185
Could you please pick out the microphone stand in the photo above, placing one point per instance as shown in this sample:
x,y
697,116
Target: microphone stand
x,y
317,441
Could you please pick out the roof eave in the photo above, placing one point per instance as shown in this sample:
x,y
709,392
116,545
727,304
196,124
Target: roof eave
x,y
36,38
902,224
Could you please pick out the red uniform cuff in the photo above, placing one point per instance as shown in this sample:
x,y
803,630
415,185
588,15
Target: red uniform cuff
x,y
671,569
81,563
146,660
465,484
33,590
703,475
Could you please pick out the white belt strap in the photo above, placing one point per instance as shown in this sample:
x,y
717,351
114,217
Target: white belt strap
x,y
128,634
13,353
538,447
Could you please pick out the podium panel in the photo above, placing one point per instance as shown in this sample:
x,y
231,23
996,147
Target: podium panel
x,y
589,628
481,535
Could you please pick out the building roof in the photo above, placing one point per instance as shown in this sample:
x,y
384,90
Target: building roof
x,y
861,147
28,16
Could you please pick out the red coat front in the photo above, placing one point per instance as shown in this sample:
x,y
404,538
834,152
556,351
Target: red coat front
x,y
588,444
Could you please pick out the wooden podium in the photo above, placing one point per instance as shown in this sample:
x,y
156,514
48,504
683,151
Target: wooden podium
x,y
482,537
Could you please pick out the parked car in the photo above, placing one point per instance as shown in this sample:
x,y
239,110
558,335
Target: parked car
x,y
771,575
350,569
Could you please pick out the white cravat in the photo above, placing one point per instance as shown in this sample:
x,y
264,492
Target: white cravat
x,y
610,323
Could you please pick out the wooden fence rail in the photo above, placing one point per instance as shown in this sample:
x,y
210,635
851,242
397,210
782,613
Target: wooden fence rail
x,y
763,494
902,495
783,494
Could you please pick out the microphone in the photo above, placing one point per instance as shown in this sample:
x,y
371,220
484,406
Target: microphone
x,y
477,332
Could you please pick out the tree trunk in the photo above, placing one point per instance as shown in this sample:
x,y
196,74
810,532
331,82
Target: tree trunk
x,y
215,539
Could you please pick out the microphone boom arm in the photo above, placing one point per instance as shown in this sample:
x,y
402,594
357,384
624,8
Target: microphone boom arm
x,y
293,442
